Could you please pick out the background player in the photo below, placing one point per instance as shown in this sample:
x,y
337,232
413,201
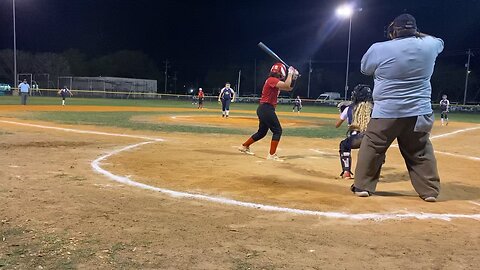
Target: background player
x,y
357,114
297,104
266,110
444,107
201,97
64,92
226,96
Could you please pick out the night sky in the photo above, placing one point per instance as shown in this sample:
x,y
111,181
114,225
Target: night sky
x,y
207,34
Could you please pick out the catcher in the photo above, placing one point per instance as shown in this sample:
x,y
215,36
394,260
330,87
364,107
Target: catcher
x,y
357,114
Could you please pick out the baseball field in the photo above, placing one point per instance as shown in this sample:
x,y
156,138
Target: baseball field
x,y
156,184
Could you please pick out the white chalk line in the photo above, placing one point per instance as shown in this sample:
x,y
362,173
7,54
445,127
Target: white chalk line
x,y
339,215
176,194
82,131
476,203
453,133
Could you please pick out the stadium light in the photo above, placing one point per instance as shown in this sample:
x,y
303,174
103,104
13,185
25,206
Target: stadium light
x,y
346,11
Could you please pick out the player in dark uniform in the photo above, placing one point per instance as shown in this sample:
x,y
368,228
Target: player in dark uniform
x,y
444,107
64,92
357,114
297,104
226,96
201,97
268,120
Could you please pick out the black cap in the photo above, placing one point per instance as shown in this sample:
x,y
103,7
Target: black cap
x,y
406,21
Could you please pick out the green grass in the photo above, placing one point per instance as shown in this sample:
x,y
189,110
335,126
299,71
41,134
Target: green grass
x,y
124,120
324,128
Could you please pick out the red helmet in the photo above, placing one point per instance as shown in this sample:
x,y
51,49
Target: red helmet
x,y
279,68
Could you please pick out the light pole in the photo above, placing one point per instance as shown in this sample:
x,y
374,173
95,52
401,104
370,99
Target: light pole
x,y
346,11
467,65
15,83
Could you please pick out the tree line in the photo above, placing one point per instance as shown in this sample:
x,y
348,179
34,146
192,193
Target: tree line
x,y
449,76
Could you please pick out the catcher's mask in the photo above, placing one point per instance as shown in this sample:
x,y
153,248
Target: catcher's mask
x,y
342,105
403,25
361,93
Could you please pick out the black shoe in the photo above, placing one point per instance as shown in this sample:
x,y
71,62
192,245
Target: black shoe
x,y
359,192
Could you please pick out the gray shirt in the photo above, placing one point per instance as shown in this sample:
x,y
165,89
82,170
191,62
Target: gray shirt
x,y
402,69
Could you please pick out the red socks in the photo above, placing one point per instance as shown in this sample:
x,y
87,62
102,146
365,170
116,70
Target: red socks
x,y
248,142
273,147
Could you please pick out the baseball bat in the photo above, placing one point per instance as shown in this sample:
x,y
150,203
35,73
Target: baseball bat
x,y
272,54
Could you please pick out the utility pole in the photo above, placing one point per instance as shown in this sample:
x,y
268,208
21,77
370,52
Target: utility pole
x,y
166,75
15,82
467,65
238,83
175,81
348,57
309,75
255,76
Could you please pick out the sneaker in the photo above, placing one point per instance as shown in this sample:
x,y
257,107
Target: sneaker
x,y
359,192
223,115
245,150
430,199
347,175
274,157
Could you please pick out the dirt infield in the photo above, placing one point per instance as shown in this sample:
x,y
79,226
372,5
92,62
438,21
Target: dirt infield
x,y
59,212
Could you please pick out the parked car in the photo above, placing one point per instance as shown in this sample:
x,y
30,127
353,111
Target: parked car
x,y
5,89
330,98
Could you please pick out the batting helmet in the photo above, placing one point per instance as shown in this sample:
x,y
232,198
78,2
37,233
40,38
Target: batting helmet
x,y
280,69
361,93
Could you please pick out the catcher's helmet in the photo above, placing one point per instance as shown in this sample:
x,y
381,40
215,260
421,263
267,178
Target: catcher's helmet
x,y
279,68
361,93
342,105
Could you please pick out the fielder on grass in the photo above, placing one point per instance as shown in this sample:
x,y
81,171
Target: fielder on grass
x,y
226,96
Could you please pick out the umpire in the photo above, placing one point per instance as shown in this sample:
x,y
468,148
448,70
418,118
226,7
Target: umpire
x,y
402,68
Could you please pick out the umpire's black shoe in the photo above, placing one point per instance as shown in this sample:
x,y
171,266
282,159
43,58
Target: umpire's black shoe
x,y
359,192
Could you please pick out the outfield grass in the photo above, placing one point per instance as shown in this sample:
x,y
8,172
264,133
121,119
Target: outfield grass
x,y
124,120
10,100
325,128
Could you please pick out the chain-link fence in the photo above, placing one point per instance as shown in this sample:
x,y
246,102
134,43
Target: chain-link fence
x,y
108,87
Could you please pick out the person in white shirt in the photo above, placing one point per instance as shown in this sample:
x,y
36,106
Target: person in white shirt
x,y
24,88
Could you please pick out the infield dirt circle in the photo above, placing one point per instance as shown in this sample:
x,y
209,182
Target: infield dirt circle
x,y
58,168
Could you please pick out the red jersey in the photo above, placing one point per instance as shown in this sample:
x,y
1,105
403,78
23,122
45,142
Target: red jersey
x,y
270,91
200,94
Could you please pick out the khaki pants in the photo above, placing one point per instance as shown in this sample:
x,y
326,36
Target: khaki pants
x,y
23,98
415,147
